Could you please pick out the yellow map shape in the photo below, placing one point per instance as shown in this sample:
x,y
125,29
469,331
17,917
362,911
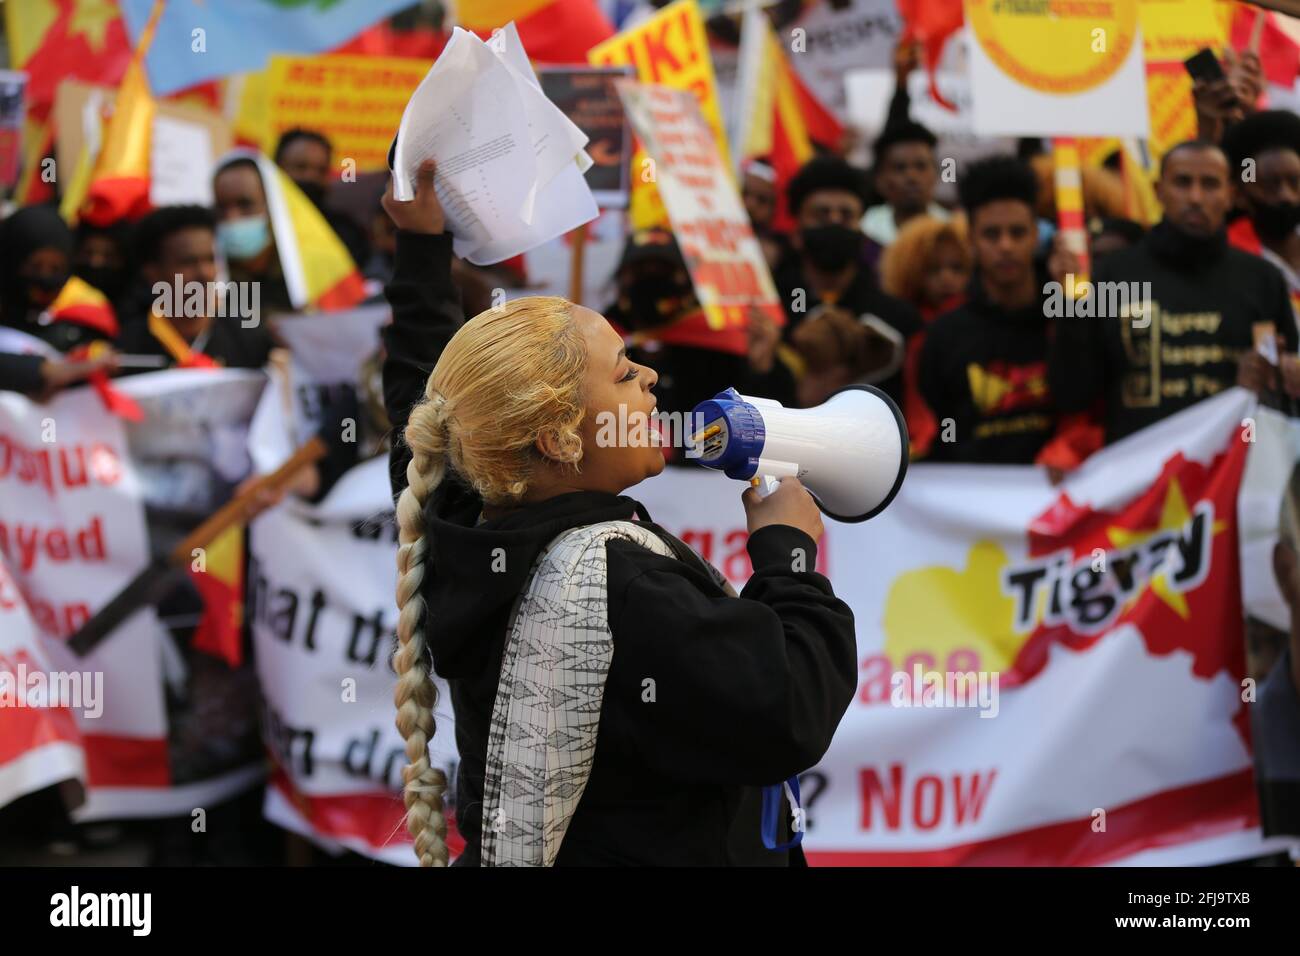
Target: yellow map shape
x,y
938,610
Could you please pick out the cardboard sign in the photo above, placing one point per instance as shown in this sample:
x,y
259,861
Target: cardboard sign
x,y
186,143
725,261
587,96
670,49
1072,69
356,102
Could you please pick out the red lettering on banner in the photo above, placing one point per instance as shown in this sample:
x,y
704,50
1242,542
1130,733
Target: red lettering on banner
x,y
73,465
54,620
22,544
734,561
877,670
657,52
969,792
701,541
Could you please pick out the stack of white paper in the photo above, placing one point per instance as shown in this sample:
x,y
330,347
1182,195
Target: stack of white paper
x,y
510,164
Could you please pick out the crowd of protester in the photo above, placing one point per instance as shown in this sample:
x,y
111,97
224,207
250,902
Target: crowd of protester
x,y
944,308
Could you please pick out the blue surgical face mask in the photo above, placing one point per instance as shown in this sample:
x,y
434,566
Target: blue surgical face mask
x,y
242,239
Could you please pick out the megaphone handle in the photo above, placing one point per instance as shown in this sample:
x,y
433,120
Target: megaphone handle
x,y
769,472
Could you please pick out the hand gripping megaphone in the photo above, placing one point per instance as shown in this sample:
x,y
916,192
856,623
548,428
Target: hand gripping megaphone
x,y
850,451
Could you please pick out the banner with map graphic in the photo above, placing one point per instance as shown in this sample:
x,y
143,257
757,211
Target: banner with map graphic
x,y
1100,622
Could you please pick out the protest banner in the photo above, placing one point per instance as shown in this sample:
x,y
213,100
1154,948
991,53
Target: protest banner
x,y
726,263
72,532
1139,664
670,49
356,102
825,39
40,744
1071,69
84,498
322,616
1088,673
587,96
321,610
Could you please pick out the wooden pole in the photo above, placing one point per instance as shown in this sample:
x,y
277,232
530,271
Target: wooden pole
x,y
577,263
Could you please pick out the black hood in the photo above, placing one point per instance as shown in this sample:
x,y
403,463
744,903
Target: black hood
x,y
471,586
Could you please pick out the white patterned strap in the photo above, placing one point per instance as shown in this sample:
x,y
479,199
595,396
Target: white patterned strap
x,y
542,740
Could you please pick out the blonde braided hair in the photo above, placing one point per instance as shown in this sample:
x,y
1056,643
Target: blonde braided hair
x,y
505,378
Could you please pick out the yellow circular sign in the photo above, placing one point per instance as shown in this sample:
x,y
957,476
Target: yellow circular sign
x,y
1055,46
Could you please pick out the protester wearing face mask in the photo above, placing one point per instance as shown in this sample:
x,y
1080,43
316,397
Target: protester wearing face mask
x,y
102,257
244,231
660,318
1267,144
35,266
827,199
306,156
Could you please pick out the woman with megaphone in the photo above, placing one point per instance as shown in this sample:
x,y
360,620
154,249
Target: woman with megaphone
x,y
615,701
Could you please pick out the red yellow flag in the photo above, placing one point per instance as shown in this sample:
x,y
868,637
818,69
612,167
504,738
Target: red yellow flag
x,y
119,188
221,584
552,31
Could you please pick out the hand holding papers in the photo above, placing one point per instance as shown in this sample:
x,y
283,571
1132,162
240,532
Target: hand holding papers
x,y
510,164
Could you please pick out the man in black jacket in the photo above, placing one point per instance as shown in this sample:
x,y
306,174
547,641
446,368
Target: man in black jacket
x,y
1194,305
983,370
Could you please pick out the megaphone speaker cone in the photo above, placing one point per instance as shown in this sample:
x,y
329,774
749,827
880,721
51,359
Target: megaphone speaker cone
x,y
851,451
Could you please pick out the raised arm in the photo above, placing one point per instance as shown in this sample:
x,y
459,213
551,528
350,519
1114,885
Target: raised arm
x,y
426,310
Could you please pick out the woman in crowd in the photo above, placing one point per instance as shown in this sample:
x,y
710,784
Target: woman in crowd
x,y
928,265
671,700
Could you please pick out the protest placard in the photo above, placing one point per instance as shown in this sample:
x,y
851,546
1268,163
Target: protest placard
x,y
587,96
1071,69
355,102
13,91
725,261
670,49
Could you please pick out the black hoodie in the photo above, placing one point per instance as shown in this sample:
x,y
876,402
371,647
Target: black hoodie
x,y
984,368
708,696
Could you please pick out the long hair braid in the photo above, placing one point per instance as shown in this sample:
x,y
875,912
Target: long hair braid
x,y
505,378
416,694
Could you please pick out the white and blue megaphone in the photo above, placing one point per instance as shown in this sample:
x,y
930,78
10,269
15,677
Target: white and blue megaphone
x,y
851,451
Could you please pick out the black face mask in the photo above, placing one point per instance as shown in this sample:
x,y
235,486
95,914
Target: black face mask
x,y
106,279
1275,221
47,283
831,248
313,191
652,301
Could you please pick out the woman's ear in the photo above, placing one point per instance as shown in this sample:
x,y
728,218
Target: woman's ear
x,y
555,447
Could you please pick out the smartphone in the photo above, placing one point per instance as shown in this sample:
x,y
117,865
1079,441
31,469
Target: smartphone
x,y
1204,65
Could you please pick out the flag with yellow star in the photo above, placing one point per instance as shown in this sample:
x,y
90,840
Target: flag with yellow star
x,y
1048,675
